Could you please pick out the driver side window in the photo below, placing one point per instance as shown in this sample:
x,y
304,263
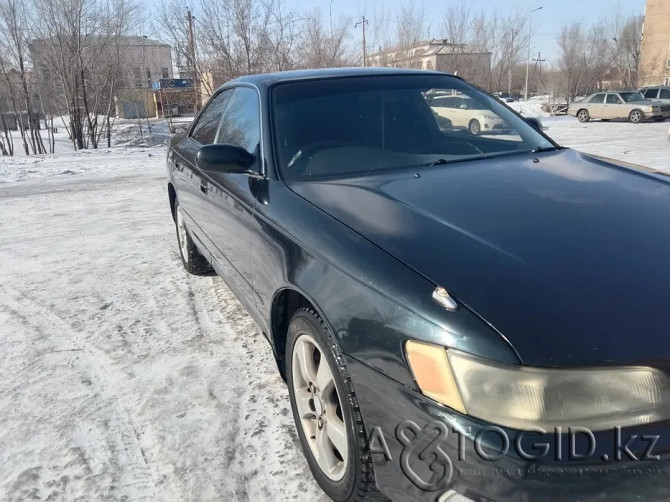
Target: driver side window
x,y
209,119
241,121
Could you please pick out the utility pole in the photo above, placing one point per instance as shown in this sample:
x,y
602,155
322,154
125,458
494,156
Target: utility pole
x,y
538,66
191,56
530,25
363,22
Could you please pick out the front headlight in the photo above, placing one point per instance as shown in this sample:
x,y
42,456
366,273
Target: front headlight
x,y
522,397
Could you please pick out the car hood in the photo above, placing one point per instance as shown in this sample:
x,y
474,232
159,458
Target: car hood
x,y
566,255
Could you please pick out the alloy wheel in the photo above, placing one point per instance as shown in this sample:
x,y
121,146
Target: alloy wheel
x,y
635,116
583,116
319,407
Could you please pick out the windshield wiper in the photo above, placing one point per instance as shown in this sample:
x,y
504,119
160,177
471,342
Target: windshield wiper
x,y
439,162
538,149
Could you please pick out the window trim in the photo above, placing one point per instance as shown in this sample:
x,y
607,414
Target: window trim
x,y
261,160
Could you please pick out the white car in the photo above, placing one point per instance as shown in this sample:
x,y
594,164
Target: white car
x,y
465,113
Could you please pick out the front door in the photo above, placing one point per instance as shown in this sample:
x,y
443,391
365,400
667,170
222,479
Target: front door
x,y
230,197
190,180
613,109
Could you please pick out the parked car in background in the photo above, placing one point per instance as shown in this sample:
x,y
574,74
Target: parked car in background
x,y
658,94
505,97
466,113
623,105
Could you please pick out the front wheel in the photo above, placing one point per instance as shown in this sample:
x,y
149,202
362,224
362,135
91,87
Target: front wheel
x,y
583,115
325,410
475,127
635,117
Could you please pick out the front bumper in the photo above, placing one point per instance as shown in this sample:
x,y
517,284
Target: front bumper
x,y
415,469
655,115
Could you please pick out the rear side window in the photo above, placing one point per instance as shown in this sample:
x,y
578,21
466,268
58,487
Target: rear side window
x,y
650,93
208,122
598,98
613,99
665,94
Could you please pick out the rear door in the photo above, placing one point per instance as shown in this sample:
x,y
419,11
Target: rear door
x,y
449,107
595,106
651,94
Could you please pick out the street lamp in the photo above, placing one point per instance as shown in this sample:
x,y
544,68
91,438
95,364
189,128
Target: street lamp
x,y
331,18
530,24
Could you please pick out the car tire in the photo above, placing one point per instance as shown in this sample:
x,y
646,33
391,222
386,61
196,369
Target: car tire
x,y
635,117
475,127
583,115
325,406
193,261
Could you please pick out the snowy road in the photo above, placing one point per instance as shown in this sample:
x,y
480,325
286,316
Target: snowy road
x,y
124,378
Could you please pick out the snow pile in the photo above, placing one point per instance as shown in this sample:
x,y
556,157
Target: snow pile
x,y
530,108
147,140
143,133
13,169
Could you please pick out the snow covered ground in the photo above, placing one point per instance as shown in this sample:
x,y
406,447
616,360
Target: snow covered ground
x,y
644,144
123,377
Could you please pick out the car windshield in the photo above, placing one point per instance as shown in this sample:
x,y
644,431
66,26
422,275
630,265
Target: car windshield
x,y
358,125
631,97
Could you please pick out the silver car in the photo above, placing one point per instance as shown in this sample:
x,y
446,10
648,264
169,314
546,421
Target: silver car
x,y
658,94
624,105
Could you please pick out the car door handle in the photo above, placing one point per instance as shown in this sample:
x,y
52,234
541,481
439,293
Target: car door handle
x,y
203,187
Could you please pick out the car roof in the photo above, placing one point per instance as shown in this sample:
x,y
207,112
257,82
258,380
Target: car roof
x,y
269,79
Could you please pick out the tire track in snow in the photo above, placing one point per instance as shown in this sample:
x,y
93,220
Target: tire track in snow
x,y
139,483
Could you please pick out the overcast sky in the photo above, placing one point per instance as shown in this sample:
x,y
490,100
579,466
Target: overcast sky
x,y
548,21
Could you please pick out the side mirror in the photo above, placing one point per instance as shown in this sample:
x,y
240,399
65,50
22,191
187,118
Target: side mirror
x,y
220,158
535,123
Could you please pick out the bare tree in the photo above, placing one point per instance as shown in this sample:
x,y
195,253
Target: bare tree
x,y
626,48
14,44
319,48
411,29
379,35
79,46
